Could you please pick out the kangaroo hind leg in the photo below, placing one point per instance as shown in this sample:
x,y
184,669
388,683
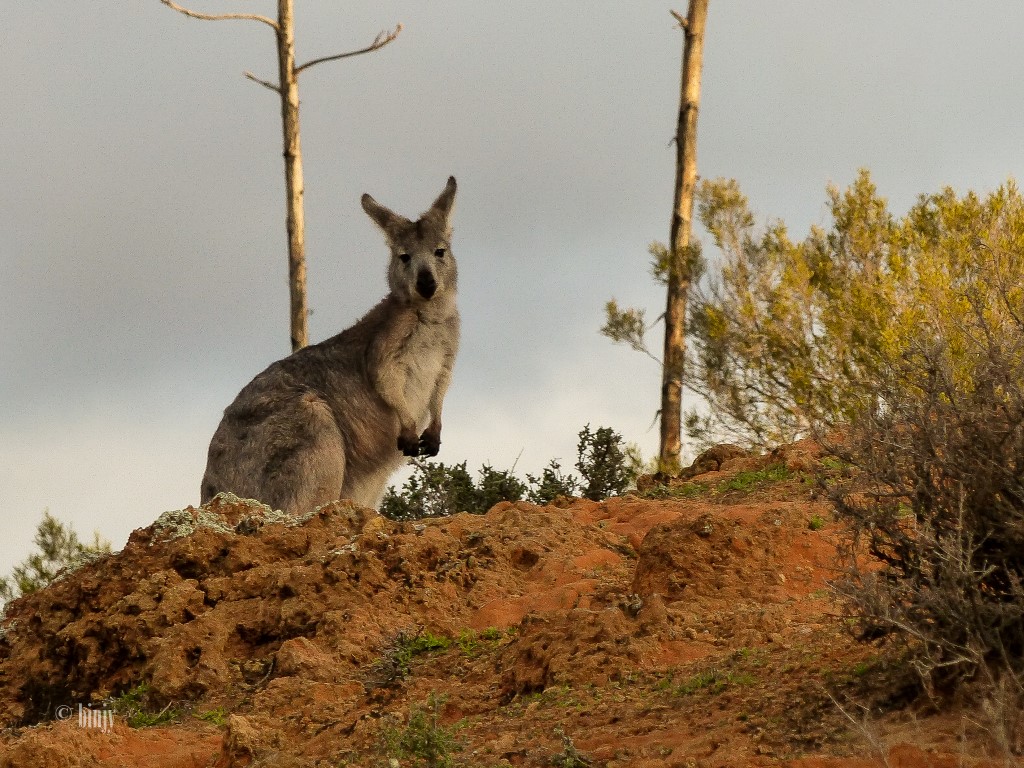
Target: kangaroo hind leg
x,y
302,457
279,447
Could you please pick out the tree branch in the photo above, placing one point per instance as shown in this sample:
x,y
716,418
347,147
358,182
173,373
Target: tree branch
x,y
683,23
379,42
221,16
264,83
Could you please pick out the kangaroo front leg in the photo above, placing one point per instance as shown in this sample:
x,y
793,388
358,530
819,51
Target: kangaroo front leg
x,y
430,440
391,386
389,379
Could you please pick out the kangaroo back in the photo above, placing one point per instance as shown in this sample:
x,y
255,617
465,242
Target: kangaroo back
x,y
336,419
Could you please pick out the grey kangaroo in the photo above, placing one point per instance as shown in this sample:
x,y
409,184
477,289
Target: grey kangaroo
x,y
336,419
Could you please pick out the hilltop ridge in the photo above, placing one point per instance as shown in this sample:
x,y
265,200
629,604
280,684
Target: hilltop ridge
x,y
691,630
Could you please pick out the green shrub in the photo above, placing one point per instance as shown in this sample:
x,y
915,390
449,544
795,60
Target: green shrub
x,y
435,489
496,486
939,496
59,548
551,484
602,463
422,739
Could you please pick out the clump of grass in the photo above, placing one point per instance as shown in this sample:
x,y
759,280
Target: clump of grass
x,y
751,479
133,706
474,643
834,464
217,717
396,659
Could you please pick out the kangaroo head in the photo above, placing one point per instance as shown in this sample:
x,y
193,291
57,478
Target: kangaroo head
x,y
422,268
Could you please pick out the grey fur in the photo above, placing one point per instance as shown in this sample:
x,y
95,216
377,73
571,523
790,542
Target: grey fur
x,y
333,420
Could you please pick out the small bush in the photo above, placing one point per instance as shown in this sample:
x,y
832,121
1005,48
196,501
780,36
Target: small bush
x,y
435,489
551,484
570,756
602,463
422,739
496,486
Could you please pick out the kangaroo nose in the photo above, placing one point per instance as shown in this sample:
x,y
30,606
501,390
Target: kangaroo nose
x,y
425,284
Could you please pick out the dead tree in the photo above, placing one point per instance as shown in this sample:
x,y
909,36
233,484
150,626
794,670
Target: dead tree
x,y
681,256
287,87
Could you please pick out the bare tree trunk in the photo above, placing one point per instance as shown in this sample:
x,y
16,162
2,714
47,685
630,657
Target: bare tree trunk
x,y
287,88
679,273
294,187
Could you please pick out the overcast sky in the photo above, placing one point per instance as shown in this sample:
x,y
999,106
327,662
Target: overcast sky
x,y
142,247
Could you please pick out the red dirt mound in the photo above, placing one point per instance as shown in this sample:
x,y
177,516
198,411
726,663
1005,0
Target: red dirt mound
x,y
691,630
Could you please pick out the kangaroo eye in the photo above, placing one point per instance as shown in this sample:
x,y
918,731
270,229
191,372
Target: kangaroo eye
x,y
439,253
404,257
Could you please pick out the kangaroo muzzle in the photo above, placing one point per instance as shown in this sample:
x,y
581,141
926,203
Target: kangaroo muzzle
x,y
426,285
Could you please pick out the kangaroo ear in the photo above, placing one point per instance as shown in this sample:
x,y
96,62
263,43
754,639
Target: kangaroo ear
x,y
441,211
386,218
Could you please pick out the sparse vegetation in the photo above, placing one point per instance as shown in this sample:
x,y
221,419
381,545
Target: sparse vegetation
x,y
938,445
473,643
217,716
748,480
134,706
606,468
569,757
742,482
422,739
394,663
712,680
682,491
58,549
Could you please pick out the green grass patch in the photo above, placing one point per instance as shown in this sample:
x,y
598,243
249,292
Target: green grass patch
x,y
396,659
683,491
133,706
217,717
751,479
475,643
713,681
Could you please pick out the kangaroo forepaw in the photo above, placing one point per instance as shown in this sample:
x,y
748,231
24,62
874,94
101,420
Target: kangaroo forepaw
x,y
430,443
408,443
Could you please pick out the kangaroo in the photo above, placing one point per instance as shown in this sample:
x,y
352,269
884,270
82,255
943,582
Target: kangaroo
x,y
336,419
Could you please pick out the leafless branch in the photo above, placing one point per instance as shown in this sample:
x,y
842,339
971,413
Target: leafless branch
x,y
264,83
680,18
379,42
221,16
